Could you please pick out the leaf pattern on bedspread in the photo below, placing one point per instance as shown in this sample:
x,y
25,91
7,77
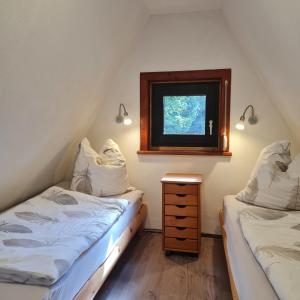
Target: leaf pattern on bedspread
x,y
25,243
41,238
61,198
288,253
76,214
16,228
35,217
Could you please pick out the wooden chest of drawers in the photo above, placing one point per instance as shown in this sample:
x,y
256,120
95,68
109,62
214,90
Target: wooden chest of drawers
x,y
181,212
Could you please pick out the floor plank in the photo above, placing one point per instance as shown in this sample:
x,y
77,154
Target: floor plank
x,y
145,273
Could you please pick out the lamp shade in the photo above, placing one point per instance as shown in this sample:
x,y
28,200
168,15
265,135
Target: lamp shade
x,y
123,117
240,125
127,121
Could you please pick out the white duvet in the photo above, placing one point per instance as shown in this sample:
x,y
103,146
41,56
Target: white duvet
x,y
274,238
42,237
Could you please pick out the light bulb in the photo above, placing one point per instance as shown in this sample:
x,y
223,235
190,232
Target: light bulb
x,y
240,125
127,121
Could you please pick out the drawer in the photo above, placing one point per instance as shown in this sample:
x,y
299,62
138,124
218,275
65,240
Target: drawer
x,y
181,244
181,232
181,221
184,199
181,210
180,188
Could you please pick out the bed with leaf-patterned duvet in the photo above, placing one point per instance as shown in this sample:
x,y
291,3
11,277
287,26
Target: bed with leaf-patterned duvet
x,y
41,238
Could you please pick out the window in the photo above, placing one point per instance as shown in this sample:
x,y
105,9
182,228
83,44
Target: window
x,y
185,112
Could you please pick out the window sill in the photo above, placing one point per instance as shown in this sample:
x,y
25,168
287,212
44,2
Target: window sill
x,y
184,152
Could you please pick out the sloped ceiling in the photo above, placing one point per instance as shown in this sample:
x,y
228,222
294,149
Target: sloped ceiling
x,y
57,59
269,33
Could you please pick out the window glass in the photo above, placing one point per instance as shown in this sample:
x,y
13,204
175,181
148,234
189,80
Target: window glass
x,y
184,115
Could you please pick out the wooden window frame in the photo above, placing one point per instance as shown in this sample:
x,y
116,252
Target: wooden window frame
x,y
147,78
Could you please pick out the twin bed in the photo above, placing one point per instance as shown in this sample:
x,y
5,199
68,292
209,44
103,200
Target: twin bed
x,y
261,229
86,275
247,278
262,247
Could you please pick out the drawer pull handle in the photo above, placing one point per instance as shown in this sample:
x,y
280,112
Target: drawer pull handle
x,y
180,239
181,184
180,228
180,217
180,195
181,206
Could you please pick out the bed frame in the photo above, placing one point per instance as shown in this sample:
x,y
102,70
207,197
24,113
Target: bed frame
x,y
224,235
92,286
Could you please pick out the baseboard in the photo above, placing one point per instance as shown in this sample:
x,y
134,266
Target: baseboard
x,y
153,230
203,234
211,235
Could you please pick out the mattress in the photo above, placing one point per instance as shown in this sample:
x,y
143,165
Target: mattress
x,y
250,279
69,285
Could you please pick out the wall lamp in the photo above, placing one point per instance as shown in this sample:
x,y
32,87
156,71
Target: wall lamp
x,y
252,119
123,118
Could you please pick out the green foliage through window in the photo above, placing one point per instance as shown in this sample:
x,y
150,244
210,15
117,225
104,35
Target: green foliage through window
x,y
184,115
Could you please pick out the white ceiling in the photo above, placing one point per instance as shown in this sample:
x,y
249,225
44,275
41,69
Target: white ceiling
x,y
180,6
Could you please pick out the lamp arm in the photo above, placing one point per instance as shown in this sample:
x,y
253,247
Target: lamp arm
x,y
252,119
242,118
124,109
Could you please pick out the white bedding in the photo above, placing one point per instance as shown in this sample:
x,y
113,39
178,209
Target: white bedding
x,y
250,280
42,237
274,239
69,285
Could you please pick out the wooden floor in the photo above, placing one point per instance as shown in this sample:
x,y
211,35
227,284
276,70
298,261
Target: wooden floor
x,y
144,272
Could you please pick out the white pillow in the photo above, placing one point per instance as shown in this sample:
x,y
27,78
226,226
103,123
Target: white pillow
x,y
277,154
103,174
276,189
278,151
86,156
112,154
110,177
294,166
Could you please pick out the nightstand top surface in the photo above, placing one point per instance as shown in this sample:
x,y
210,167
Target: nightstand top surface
x,y
182,177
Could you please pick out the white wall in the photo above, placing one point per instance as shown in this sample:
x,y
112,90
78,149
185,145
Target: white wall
x,y
269,31
56,62
178,6
189,42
